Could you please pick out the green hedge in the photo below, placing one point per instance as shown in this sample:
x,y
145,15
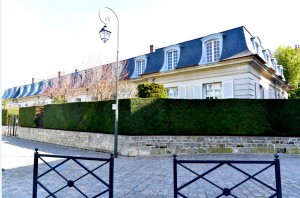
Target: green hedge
x,y
6,112
4,116
82,116
27,117
196,117
179,117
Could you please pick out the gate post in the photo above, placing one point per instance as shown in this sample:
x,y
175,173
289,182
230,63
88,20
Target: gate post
x,y
8,122
111,176
278,176
175,175
35,174
14,125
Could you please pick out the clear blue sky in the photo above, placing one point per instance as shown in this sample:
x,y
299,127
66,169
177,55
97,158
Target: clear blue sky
x,y
42,37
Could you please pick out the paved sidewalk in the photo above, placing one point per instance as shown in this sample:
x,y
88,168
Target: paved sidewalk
x,y
139,177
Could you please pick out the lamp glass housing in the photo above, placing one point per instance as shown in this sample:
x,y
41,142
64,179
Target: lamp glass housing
x,y
104,34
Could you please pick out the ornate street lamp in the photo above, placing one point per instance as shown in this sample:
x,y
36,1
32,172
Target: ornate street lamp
x,y
104,35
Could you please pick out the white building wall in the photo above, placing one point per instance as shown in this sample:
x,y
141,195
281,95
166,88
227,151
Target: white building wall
x,y
192,89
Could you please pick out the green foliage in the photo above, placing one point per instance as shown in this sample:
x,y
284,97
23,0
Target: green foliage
x,y
290,59
294,93
58,99
4,116
152,90
82,116
27,117
195,117
4,103
152,116
13,111
6,112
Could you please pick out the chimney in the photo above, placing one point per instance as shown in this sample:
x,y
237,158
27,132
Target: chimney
x,y
59,74
151,48
32,80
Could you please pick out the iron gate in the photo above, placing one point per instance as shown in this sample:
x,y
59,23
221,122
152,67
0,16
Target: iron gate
x,y
71,183
227,191
12,123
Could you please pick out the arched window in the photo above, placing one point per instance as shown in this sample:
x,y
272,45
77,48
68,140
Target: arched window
x,y
211,48
212,51
256,44
172,59
140,66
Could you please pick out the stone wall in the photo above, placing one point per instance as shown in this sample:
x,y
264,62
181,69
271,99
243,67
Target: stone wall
x,y
161,145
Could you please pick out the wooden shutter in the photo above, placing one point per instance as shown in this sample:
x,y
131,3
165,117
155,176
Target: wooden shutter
x,y
227,87
182,92
197,92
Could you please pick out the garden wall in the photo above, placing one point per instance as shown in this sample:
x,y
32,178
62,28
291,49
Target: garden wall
x,y
162,145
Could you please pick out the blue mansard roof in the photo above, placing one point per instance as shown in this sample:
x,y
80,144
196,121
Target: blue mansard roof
x,y
236,43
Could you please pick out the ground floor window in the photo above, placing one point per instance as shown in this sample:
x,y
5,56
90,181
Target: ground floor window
x,y
213,90
172,92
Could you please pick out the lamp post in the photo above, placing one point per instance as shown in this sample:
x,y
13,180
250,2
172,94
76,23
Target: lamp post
x,y
104,35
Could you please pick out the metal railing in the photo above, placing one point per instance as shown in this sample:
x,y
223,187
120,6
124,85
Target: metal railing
x,y
12,124
71,183
277,192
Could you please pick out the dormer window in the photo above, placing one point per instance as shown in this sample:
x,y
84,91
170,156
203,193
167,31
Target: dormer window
x,y
172,59
212,51
212,46
268,59
256,48
141,66
256,44
267,56
171,56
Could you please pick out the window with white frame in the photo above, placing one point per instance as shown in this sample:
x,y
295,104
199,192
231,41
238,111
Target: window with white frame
x,y
172,92
172,59
141,66
256,44
212,51
212,90
212,46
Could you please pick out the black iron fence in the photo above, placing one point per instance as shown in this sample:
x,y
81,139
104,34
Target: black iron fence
x,y
71,183
12,125
276,190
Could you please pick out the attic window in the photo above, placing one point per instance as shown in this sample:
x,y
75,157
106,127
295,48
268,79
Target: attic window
x,y
212,46
256,44
256,48
212,51
172,59
267,56
141,66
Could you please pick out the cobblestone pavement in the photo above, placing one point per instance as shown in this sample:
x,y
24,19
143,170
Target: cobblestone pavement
x,y
138,177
